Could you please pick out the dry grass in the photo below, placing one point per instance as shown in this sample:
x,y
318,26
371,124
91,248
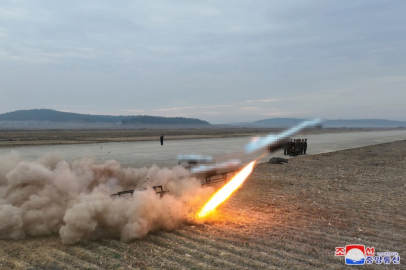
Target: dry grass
x,y
285,216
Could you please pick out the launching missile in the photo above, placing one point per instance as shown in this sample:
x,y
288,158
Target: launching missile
x,y
275,141
230,164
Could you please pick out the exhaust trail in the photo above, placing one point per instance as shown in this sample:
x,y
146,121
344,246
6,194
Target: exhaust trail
x,y
72,198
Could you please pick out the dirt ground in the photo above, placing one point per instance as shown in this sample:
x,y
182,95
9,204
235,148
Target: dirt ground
x,y
288,216
53,137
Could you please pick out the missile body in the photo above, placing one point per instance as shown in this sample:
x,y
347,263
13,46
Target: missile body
x,y
274,140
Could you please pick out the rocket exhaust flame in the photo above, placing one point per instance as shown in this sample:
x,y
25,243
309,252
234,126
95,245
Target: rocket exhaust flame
x,y
225,192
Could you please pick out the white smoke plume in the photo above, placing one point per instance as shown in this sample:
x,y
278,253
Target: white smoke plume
x,y
73,199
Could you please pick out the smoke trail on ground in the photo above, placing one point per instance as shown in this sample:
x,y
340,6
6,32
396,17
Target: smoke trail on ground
x,y
72,198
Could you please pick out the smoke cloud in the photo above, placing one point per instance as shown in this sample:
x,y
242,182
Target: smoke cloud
x,y
73,199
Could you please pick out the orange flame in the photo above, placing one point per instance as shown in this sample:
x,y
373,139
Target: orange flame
x,y
225,192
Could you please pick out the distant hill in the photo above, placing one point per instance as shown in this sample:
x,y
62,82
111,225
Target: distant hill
x,y
340,123
57,116
158,120
279,122
365,123
41,117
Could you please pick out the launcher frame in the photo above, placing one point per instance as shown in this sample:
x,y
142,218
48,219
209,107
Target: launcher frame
x,y
158,190
218,177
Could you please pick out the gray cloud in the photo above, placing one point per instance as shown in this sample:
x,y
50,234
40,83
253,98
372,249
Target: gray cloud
x,y
151,56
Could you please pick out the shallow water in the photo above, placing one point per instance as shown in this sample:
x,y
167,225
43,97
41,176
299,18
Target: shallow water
x,y
146,153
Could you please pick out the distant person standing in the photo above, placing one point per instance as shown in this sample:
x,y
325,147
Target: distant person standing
x,y
297,146
291,145
162,139
286,147
305,146
300,147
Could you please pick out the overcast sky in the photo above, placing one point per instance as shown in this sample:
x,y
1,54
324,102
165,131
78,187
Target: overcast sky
x,y
221,61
